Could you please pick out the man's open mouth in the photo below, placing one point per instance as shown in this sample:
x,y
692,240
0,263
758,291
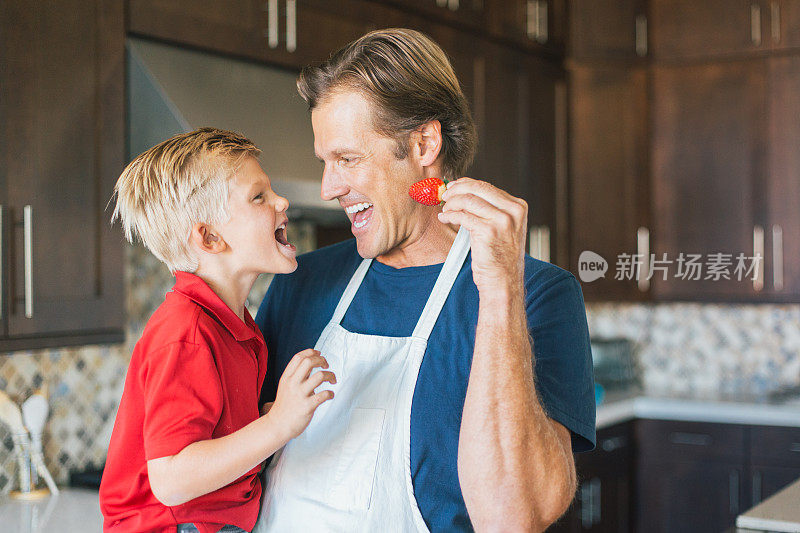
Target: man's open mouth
x,y
360,212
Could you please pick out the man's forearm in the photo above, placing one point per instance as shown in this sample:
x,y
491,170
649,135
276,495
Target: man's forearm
x,y
513,467
205,466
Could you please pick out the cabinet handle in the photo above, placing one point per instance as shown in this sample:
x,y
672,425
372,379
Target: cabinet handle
x,y
758,254
596,500
643,251
587,507
441,3
291,25
272,23
641,35
613,443
536,21
540,243
777,257
734,491
453,5
775,21
795,447
756,488
27,225
691,439
755,24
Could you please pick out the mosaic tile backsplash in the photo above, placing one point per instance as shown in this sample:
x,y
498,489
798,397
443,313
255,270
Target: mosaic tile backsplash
x,y
684,348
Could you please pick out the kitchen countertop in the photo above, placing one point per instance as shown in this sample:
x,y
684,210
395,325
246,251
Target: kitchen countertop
x,y
730,409
779,512
71,511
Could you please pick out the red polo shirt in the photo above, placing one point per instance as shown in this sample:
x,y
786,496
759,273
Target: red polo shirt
x,y
195,374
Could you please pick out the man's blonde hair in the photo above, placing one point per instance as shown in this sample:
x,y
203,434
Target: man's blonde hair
x,y
176,184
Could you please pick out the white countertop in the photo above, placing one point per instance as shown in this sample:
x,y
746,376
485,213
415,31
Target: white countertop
x,y
72,511
729,411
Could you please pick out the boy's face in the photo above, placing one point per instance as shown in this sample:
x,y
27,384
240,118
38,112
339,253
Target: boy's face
x,y
256,230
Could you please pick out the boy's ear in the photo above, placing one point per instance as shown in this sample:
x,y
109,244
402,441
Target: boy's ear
x,y
207,239
428,142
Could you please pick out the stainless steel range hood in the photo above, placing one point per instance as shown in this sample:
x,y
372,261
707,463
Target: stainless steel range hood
x,y
173,90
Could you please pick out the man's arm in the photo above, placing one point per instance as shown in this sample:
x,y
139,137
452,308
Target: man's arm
x,y
515,464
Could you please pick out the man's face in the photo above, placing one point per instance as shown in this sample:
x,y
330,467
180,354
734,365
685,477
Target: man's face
x,y
364,174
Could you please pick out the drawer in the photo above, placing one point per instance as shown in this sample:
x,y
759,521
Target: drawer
x,y
775,445
689,441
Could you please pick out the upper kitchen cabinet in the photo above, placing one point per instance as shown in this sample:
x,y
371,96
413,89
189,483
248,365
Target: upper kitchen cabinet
x,y
686,29
535,24
708,150
62,147
608,187
784,27
607,30
782,183
289,33
467,14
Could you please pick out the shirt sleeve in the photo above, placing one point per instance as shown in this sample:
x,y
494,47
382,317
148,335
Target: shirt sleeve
x,y
562,355
183,398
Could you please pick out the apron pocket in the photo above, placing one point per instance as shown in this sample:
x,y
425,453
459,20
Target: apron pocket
x,y
354,478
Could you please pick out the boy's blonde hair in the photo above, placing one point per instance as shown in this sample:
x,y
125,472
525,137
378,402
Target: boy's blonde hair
x,y
176,184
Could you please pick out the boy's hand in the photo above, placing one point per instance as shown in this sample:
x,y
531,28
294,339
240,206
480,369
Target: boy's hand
x,y
296,401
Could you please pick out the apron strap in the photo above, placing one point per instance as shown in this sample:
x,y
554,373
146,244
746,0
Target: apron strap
x,y
350,291
452,266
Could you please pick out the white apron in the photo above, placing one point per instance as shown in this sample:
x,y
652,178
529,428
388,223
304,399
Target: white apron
x,y
350,469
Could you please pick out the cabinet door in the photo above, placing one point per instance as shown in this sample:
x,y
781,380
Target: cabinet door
x,y
607,29
531,23
785,24
707,165
63,133
681,29
768,480
782,272
688,496
608,172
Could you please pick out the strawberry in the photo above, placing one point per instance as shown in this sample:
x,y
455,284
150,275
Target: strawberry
x,y
428,191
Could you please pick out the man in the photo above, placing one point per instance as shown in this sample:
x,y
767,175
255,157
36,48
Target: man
x,y
462,388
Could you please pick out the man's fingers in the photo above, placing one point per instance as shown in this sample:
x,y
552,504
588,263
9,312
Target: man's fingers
x,y
317,379
497,197
472,204
473,223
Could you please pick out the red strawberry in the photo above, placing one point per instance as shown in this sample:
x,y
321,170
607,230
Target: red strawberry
x,y
428,191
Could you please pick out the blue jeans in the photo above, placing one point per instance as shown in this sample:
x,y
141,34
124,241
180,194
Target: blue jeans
x,y
190,528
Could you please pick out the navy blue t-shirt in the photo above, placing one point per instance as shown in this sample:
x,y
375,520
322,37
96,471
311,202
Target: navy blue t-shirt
x,y
298,306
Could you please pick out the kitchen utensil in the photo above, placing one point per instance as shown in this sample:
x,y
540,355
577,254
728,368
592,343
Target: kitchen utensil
x,y
12,417
34,413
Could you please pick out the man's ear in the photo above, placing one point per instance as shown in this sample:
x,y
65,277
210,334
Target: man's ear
x,y
428,140
207,239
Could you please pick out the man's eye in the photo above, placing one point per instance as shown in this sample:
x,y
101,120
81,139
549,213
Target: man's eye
x,y
259,196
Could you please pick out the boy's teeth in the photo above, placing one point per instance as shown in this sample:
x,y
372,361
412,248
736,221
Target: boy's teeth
x,y
357,207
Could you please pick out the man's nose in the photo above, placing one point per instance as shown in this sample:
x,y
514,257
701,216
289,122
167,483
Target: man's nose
x,y
333,186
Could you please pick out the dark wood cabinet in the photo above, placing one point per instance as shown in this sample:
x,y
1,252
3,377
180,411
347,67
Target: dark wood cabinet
x,y
683,29
781,183
603,502
608,173
533,24
708,149
607,30
62,148
690,476
785,24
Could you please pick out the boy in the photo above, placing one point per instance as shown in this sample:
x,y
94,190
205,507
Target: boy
x,y
188,441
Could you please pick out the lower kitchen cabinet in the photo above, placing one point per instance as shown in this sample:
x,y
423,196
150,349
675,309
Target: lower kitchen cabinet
x,y
605,479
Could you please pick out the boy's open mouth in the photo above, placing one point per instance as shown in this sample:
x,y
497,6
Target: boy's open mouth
x,y
280,235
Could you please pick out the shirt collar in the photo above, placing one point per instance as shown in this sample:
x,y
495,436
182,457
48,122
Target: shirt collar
x,y
193,287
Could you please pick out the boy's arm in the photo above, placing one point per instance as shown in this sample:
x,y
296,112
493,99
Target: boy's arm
x,y
208,465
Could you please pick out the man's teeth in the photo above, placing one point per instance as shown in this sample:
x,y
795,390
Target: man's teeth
x,y
357,207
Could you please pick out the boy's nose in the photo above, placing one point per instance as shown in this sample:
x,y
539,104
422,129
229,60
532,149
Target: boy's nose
x,y
281,203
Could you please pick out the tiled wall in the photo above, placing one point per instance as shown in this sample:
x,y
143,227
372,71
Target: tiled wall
x,y
693,348
683,348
